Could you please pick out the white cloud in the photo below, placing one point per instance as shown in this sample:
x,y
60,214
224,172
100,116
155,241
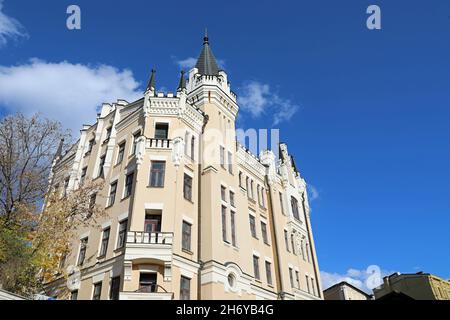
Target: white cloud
x,y
313,193
365,280
69,93
258,99
10,28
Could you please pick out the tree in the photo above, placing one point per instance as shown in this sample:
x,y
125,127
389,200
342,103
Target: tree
x,y
34,240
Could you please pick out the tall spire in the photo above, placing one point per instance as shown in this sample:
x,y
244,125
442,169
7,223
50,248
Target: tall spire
x,y
151,82
206,63
182,83
59,150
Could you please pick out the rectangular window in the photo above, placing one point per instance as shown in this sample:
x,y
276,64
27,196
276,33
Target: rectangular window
x,y
97,291
291,277
83,175
313,291
281,203
294,205
101,166
108,133
297,279
224,223
162,131
252,226
82,254
269,272
187,187
157,173
112,193
192,148
307,283
128,184
115,289
121,237
105,240
232,198
230,163
186,230
222,157
135,138
185,288
121,153
233,228
286,240
263,201
259,195
147,282
66,186
293,245
223,192
91,144
74,295
256,267
264,233
92,200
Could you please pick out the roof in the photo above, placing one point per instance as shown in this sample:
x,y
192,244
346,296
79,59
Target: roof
x,y
206,62
349,285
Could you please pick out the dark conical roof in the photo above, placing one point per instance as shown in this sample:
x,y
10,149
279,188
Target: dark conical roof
x,y
206,63
182,83
151,82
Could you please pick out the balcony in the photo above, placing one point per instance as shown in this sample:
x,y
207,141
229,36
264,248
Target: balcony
x,y
148,248
153,292
154,143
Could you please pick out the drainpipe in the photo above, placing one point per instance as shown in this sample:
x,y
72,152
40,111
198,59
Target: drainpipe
x,y
199,204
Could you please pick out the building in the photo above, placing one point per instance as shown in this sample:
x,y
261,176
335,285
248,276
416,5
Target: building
x,y
418,286
345,291
187,218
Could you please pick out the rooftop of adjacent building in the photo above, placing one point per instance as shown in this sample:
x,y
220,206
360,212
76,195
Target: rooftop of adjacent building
x,y
345,283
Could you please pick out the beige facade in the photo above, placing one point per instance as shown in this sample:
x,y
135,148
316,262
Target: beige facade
x,y
195,215
345,291
419,286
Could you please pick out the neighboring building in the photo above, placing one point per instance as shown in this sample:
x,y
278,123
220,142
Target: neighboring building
x,y
419,286
5,295
233,226
345,291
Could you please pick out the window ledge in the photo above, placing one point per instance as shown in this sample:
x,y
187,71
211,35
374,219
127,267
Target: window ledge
x,y
187,251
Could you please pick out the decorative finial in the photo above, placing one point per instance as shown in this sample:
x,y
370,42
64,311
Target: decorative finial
x,y
205,38
182,83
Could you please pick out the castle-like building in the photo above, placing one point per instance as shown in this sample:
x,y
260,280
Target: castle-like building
x,y
187,216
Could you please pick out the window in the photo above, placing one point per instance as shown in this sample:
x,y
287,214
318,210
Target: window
x,y
233,228
240,179
186,145
193,148
223,192
157,173
135,138
82,254
185,288
101,165
313,290
252,190
187,187
230,163
115,289
252,226
232,198
97,291
247,185
147,282
121,152
264,233
121,237
307,283
269,273
128,184
291,277
152,223
74,295
281,203
186,230
161,131
263,201
224,223
256,267
83,175
222,157
307,252
91,144
112,193
259,194
92,200
66,185
105,240
286,240
297,278
293,245
108,133
294,205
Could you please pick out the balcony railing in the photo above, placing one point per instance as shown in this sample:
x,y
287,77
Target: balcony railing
x,y
149,237
159,143
151,288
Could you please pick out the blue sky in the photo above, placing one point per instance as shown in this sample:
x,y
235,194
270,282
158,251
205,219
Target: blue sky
x,y
366,113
